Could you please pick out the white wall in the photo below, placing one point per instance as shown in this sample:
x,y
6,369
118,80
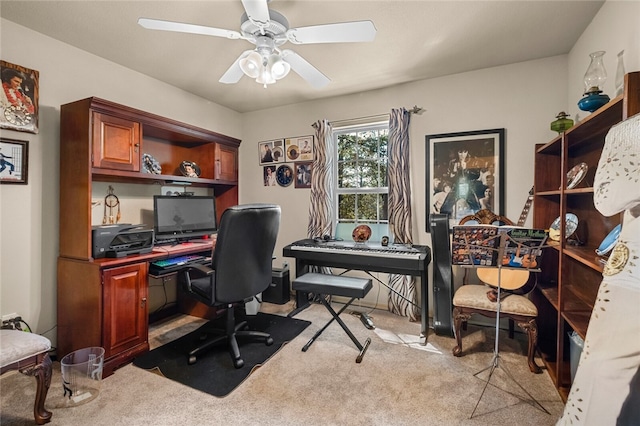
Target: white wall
x,y
29,213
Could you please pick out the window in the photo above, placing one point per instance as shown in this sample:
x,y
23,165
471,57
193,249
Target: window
x,y
362,190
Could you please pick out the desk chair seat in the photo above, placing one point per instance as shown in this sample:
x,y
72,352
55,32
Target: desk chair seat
x,y
472,299
335,285
240,269
29,354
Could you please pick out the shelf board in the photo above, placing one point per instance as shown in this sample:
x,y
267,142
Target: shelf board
x,y
585,255
578,320
586,190
551,294
596,122
555,192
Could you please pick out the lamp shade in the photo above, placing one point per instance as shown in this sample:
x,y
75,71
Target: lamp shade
x,y
278,68
251,65
596,74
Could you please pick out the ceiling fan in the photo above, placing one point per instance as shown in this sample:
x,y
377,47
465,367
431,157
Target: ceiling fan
x,y
268,30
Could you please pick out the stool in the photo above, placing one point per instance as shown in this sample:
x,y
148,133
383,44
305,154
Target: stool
x,y
335,285
28,353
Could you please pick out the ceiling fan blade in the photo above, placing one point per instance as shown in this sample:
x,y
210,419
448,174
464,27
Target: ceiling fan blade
x,y
257,11
234,73
344,32
156,24
304,69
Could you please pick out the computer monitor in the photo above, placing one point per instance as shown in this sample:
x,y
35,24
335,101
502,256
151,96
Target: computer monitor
x,y
183,217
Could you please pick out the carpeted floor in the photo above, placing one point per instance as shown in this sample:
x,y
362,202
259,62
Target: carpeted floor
x,y
214,372
395,384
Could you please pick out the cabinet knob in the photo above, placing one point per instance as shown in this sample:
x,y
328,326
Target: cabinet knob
x,y
136,146
143,302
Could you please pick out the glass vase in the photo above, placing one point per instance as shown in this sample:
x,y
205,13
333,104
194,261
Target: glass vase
x,y
620,74
596,74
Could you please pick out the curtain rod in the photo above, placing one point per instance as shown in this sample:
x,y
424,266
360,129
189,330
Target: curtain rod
x,y
358,120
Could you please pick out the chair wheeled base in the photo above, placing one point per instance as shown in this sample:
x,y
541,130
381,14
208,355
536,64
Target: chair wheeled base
x,y
335,285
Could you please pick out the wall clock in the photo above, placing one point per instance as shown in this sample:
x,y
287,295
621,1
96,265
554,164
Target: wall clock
x,y
284,175
17,115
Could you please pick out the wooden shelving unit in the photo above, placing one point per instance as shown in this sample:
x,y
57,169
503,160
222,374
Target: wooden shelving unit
x,y
571,274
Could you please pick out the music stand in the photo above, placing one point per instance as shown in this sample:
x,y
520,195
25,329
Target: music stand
x,y
495,360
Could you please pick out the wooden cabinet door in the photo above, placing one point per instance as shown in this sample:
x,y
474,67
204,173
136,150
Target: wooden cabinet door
x,y
116,143
125,316
226,163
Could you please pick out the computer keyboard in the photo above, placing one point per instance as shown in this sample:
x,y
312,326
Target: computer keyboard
x,y
172,264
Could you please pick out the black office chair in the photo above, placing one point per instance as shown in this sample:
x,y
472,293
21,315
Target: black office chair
x,y
240,269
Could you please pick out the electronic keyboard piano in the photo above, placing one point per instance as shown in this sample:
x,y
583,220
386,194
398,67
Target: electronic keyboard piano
x,y
370,256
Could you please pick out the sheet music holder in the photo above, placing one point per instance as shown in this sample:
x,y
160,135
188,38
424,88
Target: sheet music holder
x,y
490,246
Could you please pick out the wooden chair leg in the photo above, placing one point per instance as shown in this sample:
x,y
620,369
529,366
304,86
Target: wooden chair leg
x,y
531,328
459,318
42,372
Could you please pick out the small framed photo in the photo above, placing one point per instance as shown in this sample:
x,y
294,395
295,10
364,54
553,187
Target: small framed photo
x,y
271,152
303,174
14,160
19,98
299,148
269,175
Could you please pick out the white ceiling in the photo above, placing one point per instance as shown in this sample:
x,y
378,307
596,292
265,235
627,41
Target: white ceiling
x,y
415,40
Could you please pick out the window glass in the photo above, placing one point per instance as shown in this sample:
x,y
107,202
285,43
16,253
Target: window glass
x,y
361,187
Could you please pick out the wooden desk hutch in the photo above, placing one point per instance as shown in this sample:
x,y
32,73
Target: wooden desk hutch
x,y
103,302
571,274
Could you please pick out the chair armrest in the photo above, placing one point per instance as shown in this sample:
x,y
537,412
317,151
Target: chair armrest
x,y
197,270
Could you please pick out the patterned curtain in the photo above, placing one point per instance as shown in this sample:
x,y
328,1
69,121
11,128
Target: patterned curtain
x,y
321,201
400,212
322,182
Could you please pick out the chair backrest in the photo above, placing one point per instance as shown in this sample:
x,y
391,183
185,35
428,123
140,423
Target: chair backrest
x,y
486,217
482,217
243,254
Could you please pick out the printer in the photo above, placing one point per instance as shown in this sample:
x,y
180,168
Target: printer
x,y
120,240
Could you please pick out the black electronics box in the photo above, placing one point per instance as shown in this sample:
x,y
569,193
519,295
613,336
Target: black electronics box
x,y
278,290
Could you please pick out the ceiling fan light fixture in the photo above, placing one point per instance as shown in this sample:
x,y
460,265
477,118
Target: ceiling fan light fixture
x,y
251,65
278,68
265,77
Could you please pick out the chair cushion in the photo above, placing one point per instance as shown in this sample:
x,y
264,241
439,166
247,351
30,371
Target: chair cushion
x,y
475,296
335,285
16,345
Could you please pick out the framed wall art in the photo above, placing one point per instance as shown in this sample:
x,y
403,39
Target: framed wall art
x,y
14,161
19,98
271,152
299,148
303,174
464,173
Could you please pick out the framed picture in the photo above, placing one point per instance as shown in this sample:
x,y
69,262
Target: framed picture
x,y
299,148
465,173
269,175
303,174
19,98
271,152
14,159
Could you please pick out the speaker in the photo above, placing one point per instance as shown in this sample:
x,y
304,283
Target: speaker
x,y
442,275
278,291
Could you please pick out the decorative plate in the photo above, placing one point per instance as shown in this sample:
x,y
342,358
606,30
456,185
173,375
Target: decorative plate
x,y
576,174
189,169
361,233
609,241
150,165
277,154
284,175
293,152
571,224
